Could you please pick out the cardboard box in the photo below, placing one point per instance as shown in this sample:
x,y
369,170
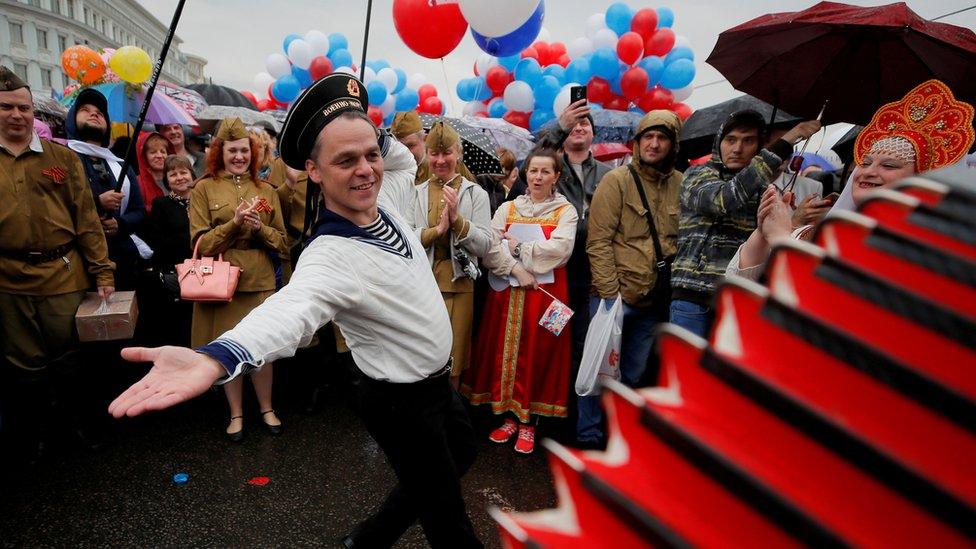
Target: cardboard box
x,y
99,320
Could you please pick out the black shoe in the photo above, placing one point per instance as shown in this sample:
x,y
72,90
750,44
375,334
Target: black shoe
x,y
273,429
238,435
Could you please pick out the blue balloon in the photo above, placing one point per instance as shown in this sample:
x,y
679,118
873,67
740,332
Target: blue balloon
x,y
377,92
618,17
665,18
678,74
388,121
372,66
578,70
654,67
341,58
496,108
407,99
286,89
679,52
303,76
615,84
401,80
509,61
538,118
545,93
515,41
528,71
595,107
337,41
288,40
557,71
604,63
635,108
381,64
481,90
465,91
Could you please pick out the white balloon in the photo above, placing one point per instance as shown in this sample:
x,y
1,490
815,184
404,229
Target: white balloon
x,y
497,17
388,105
262,81
681,40
388,77
299,53
277,65
318,42
595,23
544,35
681,94
416,80
561,101
605,38
472,108
518,96
368,75
484,63
347,70
579,47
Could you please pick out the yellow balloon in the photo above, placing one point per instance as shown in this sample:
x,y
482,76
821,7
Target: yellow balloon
x,y
132,64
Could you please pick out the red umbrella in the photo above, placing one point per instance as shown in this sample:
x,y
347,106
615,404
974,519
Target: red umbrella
x,y
857,57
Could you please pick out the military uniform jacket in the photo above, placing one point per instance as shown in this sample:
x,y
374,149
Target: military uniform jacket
x,y
46,203
212,204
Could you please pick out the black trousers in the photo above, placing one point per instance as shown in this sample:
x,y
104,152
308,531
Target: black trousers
x,y
424,430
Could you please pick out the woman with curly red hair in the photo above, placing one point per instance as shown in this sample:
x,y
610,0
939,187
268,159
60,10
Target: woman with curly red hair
x,y
228,216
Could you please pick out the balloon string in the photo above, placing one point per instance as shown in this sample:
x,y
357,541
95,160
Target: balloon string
x,y
447,82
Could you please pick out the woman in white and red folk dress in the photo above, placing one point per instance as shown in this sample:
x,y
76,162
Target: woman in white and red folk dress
x,y
519,367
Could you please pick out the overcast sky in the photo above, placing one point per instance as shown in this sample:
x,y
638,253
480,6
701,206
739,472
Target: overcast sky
x,y
236,36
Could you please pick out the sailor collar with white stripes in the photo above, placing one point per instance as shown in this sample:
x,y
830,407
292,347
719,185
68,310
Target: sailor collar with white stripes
x,y
332,224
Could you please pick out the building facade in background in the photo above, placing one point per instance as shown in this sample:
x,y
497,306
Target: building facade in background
x,y
34,33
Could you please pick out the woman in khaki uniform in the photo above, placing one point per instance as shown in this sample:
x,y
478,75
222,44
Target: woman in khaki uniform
x,y
227,217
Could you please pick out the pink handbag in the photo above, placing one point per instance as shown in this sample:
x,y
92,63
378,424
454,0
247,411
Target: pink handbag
x,y
206,278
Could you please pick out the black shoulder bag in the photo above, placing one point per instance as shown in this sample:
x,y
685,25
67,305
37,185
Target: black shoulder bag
x,y
661,293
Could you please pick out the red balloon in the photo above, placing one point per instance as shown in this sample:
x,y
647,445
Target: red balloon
x,y
657,98
544,51
530,52
660,43
683,111
431,29
425,91
250,97
630,47
520,119
431,105
320,68
481,114
644,22
598,90
497,78
616,103
634,83
475,69
563,60
558,49
265,104
375,114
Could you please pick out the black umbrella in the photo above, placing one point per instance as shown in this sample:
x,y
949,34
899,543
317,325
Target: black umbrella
x,y
844,147
215,94
698,132
479,148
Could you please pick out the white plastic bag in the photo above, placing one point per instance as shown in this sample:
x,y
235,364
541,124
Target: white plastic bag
x,y
601,351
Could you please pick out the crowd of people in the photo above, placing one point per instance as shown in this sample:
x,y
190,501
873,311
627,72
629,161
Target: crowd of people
x,y
499,248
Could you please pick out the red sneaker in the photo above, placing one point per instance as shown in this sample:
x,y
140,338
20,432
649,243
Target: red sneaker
x,y
502,434
526,440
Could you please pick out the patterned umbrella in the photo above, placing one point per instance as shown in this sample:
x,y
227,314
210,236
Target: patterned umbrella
x,y
479,149
47,105
125,101
505,134
191,101
610,126
216,94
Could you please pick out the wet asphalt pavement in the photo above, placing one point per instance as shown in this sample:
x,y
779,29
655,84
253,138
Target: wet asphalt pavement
x,y
326,474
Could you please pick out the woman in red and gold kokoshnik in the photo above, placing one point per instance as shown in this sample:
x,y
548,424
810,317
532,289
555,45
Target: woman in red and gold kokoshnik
x,y
520,367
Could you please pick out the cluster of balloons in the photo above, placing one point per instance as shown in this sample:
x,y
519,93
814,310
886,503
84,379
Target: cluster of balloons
x,y
128,64
499,27
311,56
628,60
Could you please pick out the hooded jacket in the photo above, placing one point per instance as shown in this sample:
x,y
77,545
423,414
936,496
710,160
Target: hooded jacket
x,y
718,213
619,245
148,186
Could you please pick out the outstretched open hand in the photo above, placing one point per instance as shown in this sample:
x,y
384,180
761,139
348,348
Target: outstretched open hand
x,y
178,374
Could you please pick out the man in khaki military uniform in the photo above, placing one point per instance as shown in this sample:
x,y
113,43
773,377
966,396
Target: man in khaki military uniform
x,y
52,248
408,130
